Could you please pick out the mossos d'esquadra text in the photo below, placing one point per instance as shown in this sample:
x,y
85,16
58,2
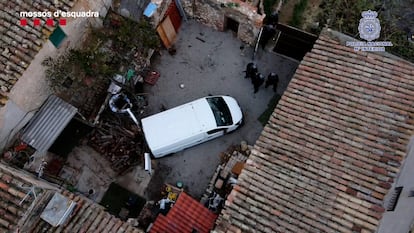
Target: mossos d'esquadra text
x,y
58,13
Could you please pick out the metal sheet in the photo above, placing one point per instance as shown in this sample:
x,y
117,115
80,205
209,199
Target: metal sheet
x,y
48,123
58,210
167,32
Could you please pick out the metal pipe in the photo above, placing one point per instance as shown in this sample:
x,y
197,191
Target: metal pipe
x,y
257,43
132,116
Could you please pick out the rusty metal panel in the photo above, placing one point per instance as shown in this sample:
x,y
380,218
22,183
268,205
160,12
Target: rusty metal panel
x,y
174,15
48,123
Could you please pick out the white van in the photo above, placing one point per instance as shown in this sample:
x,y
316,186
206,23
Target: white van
x,y
190,124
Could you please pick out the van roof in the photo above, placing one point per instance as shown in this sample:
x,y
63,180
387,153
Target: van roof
x,y
178,123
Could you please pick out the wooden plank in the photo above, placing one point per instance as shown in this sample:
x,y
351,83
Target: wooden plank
x,y
163,37
167,32
169,29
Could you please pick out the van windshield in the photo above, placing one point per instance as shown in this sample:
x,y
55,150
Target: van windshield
x,y
220,110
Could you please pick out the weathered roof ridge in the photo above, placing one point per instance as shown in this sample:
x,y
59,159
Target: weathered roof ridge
x,y
15,203
88,216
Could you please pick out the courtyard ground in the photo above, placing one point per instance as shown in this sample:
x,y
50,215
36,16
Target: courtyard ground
x,y
209,62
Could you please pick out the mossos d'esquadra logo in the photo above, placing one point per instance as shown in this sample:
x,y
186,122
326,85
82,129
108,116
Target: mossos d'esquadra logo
x,y
369,26
369,29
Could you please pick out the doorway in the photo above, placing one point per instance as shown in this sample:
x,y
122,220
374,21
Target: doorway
x,y
232,25
293,42
70,137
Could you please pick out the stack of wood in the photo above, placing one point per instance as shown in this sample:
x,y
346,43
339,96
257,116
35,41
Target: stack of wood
x,y
119,140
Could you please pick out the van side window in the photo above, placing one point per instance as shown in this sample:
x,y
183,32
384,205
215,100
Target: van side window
x,y
214,131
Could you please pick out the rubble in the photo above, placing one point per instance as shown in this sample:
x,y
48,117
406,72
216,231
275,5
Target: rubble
x,y
119,140
224,176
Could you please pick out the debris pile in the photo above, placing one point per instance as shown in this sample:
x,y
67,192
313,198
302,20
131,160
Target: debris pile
x,y
120,140
226,175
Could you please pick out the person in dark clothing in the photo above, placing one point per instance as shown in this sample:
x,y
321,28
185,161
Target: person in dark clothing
x,y
272,79
257,81
269,31
272,19
251,70
269,28
255,77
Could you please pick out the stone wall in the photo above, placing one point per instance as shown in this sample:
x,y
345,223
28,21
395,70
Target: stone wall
x,y
214,13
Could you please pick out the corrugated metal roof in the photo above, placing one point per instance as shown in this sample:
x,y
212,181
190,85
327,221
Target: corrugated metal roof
x,y
48,123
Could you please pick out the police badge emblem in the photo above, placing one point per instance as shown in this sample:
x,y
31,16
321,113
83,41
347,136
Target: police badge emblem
x,y
369,26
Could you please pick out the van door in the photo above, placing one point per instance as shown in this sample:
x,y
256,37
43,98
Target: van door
x,y
192,141
215,133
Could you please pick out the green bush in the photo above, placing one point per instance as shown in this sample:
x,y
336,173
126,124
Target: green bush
x,y
297,18
104,52
268,6
265,116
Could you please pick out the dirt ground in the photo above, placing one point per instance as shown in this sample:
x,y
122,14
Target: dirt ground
x,y
209,62
286,11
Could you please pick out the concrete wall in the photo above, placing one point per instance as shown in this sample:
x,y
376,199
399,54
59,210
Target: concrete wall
x,y
214,13
31,90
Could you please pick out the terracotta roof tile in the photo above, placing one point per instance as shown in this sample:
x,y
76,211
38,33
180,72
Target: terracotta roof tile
x,y
186,214
12,206
86,217
20,44
331,148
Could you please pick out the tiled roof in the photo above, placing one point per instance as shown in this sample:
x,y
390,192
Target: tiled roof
x,y
87,216
12,206
186,215
331,148
20,44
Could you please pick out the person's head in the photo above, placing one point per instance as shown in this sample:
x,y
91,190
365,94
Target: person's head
x,y
261,76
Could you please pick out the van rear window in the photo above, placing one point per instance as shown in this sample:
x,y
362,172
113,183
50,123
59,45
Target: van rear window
x,y
220,110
